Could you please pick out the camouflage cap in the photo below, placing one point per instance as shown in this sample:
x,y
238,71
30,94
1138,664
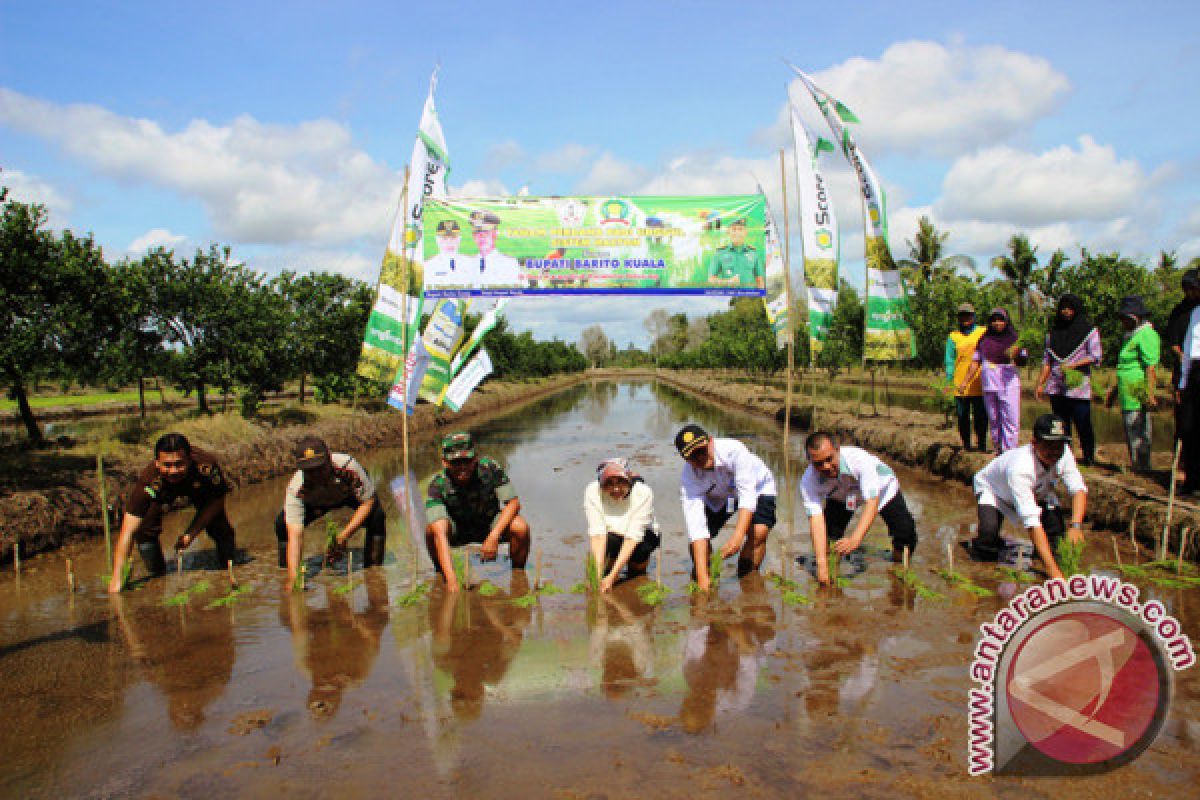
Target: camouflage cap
x,y
457,445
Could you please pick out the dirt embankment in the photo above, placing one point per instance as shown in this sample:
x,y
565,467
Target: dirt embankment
x,y
43,519
1115,500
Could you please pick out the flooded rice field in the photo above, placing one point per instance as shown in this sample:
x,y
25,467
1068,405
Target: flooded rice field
x,y
345,690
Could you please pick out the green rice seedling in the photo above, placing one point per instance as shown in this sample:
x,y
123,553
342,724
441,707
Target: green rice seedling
x,y
591,574
487,589
653,593
298,584
1014,575
525,600
1132,570
346,588
228,599
182,598
1171,565
961,581
782,582
1069,556
910,579
580,587
331,532
460,568
795,598
715,562
693,588
548,588
414,596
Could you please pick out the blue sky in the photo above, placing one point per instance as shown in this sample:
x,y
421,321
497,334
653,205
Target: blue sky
x,y
282,129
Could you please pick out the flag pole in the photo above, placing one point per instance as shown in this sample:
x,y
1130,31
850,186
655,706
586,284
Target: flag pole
x,y
791,344
405,266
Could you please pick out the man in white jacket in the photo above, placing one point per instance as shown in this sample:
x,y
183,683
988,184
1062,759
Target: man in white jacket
x,y
1019,486
721,478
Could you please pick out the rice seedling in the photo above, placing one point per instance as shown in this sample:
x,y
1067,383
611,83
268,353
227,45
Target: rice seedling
x,y
782,582
1069,556
653,594
298,584
715,562
580,587
413,596
591,574
460,568
1176,582
487,589
228,599
1014,575
960,581
795,598
182,598
346,588
1170,565
910,579
693,588
525,600
548,588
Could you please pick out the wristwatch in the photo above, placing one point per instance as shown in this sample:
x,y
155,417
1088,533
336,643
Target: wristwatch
x,y
1076,524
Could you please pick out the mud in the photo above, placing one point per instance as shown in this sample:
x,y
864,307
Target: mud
x,y
1135,505
341,691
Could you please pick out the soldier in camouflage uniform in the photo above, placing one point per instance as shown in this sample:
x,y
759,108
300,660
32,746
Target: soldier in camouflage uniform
x,y
177,473
472,501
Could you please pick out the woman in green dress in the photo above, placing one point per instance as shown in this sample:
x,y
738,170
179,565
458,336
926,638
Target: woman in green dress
x,y
1134,388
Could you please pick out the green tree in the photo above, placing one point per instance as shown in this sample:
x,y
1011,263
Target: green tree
x,y
328,314
927,260
58,306
844,346
595,345
137,351
1020,267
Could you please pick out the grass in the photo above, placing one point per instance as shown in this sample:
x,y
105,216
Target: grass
x,y
182,598
1014,575
960,581
910,579
1161,573
90,399
1069,556
1169,565
229,599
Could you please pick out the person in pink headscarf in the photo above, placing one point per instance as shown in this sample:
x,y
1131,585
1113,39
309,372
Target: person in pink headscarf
x,y
619,507
996,358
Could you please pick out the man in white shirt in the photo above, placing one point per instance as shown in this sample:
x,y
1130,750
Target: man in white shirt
x,y
449,268
490,268
1186,345
722,477
837,482
1019,485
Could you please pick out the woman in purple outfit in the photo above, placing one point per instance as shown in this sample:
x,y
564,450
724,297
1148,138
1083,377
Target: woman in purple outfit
x,y
1072,349
996,357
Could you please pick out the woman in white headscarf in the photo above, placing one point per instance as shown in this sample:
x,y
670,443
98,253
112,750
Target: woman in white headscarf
x,y
619,507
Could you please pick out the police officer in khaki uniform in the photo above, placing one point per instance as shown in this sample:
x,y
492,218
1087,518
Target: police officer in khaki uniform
x,y
737,263
177,473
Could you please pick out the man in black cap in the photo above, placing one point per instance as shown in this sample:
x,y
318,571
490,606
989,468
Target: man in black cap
x,y
325,481
722,478
1183,339
737,263
448,268
178,472
1019,485
490,268
472,501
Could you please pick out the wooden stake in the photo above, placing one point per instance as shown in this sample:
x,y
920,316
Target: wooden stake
x,y
17,557
791,344
232,581
1162,539
1183,537
906,559
1117,552
950,554
467,569
104,506
403,220
537,570
179,562
658,567
70,577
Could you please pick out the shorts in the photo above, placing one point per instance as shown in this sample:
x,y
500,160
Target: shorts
x,y
473,532
764,514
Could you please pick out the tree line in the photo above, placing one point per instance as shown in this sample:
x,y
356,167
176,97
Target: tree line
x,y
204,322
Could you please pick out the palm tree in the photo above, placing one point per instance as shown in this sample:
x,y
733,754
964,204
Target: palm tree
x,y
1020,267
925,261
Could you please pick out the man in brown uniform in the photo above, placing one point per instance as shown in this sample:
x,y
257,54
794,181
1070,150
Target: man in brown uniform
x,y
177,473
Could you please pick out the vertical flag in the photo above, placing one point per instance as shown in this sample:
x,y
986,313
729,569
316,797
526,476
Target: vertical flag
x,y
443,335
475,371
887,336
486,324
389,332
776,298
819,234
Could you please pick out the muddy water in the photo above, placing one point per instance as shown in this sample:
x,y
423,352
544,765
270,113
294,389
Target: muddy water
x,y
343,692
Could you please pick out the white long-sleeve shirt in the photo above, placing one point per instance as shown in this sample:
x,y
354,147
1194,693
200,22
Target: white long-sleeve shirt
x,y
861,476
629,517
736,473
1018,485
1190,347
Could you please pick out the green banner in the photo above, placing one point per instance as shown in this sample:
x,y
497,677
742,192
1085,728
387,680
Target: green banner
x,y
595,245
443,334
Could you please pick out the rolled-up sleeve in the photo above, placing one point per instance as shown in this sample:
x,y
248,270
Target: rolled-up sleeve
x,y
593,512
293,506
813,499
1070,475
693,512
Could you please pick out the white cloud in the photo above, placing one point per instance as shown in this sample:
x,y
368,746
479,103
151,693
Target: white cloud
x,y
257,182
610,175
1059,185
31,189
157,237
502,155
569,158
478,188
923,97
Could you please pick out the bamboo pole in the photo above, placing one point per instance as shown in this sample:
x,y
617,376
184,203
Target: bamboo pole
x,y
349,563
467,568
950,555
1183,540
104,506
791,348
1117,553
70,577
233,584
658,567
179,562
17,558
537,570
1166,531
906,558
404,363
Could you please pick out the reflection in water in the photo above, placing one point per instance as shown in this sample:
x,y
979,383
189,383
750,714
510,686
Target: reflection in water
x,y
336,644
620,649
475,640
187,656
723,654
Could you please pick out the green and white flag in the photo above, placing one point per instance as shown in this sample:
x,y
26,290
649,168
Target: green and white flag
x,y
389,334
486,324
819,234
472,374
887,336
777,297
443,334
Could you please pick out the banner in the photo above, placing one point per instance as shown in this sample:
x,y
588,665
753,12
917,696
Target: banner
x,y
887,336
819,235
404,395
777,296
476,370
595,245
443,334
486,324
388,331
